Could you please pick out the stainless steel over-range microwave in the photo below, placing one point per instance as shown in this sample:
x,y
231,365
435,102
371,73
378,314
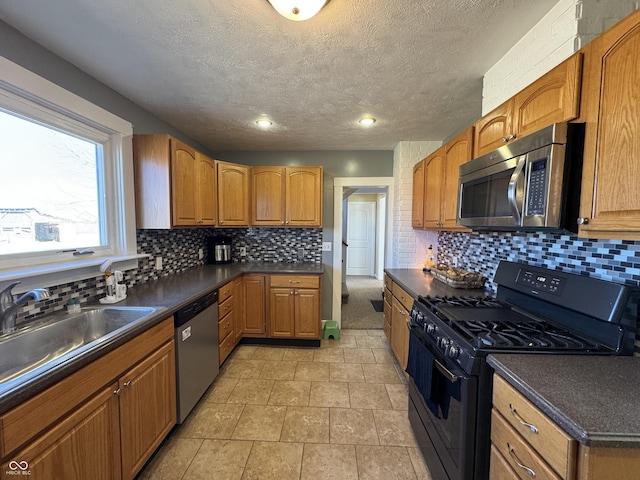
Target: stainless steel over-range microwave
x,y
532,183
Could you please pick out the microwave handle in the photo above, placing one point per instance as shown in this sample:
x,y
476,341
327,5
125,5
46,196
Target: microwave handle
x,y
512,191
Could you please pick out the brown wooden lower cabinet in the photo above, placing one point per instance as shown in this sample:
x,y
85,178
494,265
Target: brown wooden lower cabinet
x,y
399,332
294,307
254,323
101,422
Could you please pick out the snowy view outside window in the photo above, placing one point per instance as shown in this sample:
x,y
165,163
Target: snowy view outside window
x,y
50,184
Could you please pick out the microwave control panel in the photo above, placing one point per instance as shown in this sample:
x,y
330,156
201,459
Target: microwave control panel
x,y
537,187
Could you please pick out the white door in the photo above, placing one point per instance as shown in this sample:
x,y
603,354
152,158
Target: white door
x,y
361,237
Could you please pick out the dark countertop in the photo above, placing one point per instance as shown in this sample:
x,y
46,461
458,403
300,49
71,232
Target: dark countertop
x,y
170,294
416,282
595,399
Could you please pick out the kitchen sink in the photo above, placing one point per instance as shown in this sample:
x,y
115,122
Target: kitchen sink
x,y
57,338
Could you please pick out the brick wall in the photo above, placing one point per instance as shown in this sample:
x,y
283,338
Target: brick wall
x,y
408,246
567,27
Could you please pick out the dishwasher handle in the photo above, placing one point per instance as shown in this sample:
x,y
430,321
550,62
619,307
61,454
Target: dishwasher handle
x,y
186,313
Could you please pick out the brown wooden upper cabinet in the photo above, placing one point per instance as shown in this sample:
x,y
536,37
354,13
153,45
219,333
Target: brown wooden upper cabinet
x,y
554,97
174,184
286,196
435,184
610,204
233,194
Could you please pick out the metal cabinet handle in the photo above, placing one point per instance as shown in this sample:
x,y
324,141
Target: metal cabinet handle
x,y
127,384
530,426
511,137
117,391
504,140
294,281
517,461
582,221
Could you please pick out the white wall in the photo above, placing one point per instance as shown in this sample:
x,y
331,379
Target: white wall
x,y
567,27
409,246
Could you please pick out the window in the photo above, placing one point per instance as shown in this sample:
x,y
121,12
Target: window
x,y
66,193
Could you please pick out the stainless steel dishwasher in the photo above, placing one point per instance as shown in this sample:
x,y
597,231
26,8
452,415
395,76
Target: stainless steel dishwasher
x,y
196,339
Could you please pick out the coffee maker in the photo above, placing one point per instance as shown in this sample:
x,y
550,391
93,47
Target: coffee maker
x,y
219,250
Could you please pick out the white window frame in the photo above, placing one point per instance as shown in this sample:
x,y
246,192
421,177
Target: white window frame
x,y
28,94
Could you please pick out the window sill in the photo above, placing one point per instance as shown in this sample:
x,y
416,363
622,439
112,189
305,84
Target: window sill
x,y
61,273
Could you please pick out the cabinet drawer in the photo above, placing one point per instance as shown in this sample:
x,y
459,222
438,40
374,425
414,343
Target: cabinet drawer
x,y
295,281
388,283
225,348
499,469
522,458
548,439
225,327
405,299
224,308
225,292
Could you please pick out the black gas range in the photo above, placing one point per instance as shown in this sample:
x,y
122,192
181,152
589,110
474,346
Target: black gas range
x,y
535,310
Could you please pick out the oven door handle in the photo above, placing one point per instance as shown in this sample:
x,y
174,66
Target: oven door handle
x,y
512,192
452,377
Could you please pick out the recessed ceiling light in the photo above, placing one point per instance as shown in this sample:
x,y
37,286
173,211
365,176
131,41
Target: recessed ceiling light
x,y
367,121
264,123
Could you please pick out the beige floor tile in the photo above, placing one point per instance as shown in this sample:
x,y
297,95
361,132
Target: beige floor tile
x,y
380,373
306,424
422,472
383,355
329,462
377,333
260,422
278,370
369,341
219,459
220,390
312,371
351,332
298,354
384,463
251,391
241,368
352,426
394,428
398,394
268,353
172,460
244,352
358,355
290,392
274,461
328,355
329,394
345,372
211,420
369,395
346,341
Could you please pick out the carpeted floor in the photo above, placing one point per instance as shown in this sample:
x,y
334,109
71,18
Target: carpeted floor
x,y
358,313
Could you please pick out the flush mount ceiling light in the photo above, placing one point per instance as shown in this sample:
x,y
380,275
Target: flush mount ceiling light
x,y
298,10
366,121
264,123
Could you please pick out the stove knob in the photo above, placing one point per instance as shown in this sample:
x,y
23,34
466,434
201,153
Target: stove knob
x,y
420,318
452,351
431,328
444,342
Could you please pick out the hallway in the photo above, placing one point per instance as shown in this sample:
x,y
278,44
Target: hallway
x,y
358,313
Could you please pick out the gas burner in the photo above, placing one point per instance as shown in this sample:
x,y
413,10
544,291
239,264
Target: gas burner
x,y
467,302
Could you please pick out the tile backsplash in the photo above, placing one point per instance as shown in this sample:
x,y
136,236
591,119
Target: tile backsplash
x,y
179,250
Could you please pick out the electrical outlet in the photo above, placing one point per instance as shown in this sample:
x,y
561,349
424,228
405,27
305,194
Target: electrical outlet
x,y
243,251
300,253
158,263
326,246
200,254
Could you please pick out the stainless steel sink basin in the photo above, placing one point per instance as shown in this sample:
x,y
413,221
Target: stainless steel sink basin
x,y
57,338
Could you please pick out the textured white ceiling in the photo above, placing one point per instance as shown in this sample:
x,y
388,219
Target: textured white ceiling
x,y
212,67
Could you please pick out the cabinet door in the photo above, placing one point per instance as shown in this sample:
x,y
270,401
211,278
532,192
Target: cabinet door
x,y
433,172
84,445
281,312
457,151
554,97
239,308
610,202
233,194
494,129
307,313
183,184
268,198
304,196
399,332
207,201
147,408
254,323
417,201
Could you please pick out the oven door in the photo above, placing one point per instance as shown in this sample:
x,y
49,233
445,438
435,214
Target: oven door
x,y
442,410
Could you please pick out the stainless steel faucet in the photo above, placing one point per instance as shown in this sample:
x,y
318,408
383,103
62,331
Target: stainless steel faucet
x,y
9,307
